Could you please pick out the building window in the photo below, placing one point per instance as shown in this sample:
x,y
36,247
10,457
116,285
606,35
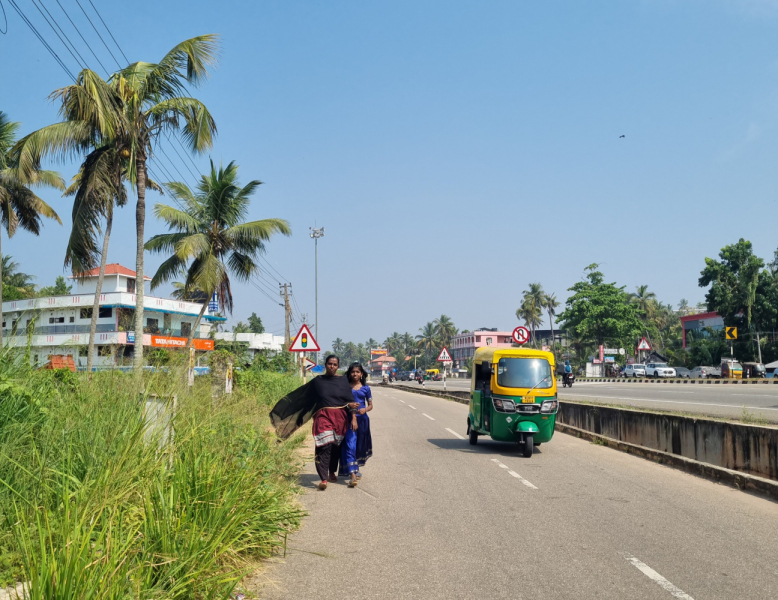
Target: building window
x,y
54,320
167,323
152,325
105,312
478,338
83,351
186,329
86,313
488,341
103,351
131,286
72,319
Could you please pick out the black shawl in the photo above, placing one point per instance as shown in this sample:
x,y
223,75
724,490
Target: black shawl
x,y
296,408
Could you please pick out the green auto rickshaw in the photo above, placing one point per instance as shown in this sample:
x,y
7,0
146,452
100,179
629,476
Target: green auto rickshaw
x,y
513,397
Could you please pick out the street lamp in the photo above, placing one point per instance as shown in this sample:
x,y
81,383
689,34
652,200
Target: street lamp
x,y
316,234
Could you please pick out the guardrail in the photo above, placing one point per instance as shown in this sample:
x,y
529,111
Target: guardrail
x,y
681,380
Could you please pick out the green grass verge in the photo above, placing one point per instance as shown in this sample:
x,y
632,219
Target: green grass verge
x,y
100,500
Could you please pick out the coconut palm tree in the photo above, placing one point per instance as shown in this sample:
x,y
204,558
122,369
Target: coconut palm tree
x,y
19,205
551,304
645,301
128,113
533,302
16,285
427,339
193,294
337,346
210,239
445,330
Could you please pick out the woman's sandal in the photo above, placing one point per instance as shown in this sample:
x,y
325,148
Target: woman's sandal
x,y
322,485
352,483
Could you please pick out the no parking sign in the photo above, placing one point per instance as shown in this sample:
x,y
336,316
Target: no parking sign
x,y
521,335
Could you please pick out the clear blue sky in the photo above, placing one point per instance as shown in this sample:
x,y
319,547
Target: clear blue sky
x,y
456,151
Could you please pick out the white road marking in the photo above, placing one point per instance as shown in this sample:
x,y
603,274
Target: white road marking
x,y
403,401
758,395
452,432
658,579
413,407
668,401
426,415
514,474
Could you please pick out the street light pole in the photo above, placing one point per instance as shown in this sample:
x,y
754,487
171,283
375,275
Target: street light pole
x,y
316,234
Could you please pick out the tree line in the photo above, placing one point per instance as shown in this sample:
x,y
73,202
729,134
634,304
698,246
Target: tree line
x,y
114,127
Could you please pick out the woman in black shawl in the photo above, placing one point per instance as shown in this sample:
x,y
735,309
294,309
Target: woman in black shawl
x,y
328,398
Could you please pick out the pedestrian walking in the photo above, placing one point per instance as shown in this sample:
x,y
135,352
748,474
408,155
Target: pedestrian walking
x,y
329,400
358,444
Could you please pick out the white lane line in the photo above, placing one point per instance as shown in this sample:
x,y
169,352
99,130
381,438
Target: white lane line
x,y
426,415
413,407
514,474
403,401
454,433
658,579
758,395
667,401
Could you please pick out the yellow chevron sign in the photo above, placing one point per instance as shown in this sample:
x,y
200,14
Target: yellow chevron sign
x,y
731,333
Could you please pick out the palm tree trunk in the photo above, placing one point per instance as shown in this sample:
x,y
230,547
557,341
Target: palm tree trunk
x,y
98,290
1,291
140,221
197,324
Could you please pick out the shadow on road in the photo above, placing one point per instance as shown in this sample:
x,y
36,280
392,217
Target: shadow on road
x,y
489,447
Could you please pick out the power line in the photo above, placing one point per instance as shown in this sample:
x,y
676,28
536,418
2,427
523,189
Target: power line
x,y
179,156
98,34
109,33
64,43
40,37
82,37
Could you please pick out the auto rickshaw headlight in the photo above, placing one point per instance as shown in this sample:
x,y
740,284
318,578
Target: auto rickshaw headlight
x,y
504,405
549,406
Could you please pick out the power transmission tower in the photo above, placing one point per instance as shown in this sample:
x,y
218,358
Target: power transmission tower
x,y
287,313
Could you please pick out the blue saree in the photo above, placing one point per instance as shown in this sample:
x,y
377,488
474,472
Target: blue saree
x,y
358,445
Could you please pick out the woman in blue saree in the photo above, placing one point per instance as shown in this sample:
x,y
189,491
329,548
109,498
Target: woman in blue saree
x,y
358,445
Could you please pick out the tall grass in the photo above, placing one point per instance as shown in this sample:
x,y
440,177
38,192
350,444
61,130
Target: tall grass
x,y
96,501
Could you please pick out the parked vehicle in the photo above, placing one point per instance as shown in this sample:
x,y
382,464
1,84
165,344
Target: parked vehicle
x,y
635,371
513,396
705,373
754,370
659,370
683,372
731,369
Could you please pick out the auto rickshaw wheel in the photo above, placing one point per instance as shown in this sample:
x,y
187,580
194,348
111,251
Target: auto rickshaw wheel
x,y
473,437
528,447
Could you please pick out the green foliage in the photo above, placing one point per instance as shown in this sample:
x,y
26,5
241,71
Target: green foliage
x,y
158,357
60,288
98,501
255,324
599,312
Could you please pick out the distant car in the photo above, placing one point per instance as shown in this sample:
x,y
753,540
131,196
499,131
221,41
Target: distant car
x,y
705,373
659,370
635,371
682,372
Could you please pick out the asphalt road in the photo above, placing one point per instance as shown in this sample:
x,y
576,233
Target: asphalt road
x,y
435,517
719,400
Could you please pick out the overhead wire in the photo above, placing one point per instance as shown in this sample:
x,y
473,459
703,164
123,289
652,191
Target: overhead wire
x,y
81,63
107,72
98,34
40,38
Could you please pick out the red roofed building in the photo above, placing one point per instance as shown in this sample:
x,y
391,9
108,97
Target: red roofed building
x,y
382,366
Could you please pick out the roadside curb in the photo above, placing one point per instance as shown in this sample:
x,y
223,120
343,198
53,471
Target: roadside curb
x,y
736,479
463,399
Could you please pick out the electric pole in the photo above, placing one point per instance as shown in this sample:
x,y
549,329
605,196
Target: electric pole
x,y
287,313
316,234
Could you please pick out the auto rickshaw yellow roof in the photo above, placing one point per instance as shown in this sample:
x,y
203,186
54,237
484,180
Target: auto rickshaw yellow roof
x,y
495,354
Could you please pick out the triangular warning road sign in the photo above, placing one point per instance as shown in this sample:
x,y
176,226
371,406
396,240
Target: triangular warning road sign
x,y
644,345
444,356
304,341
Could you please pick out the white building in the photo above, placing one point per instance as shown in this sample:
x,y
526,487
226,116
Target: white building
x,y
254,342
60,324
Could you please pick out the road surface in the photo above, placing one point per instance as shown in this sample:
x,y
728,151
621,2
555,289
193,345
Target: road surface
x,y
437,518
719,400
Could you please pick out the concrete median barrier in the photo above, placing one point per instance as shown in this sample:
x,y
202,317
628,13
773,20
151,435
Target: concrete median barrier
x,y
739,454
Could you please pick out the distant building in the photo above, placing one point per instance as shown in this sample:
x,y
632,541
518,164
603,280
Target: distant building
x,y
59,325
254,342
463,345
381,366
697,326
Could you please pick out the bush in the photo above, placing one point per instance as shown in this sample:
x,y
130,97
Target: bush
x,y
97,500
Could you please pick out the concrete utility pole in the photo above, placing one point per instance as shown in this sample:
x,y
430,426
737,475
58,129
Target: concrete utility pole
x,y
287,313
316,234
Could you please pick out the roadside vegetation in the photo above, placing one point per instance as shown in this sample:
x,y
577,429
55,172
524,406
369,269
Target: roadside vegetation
x,y
101,500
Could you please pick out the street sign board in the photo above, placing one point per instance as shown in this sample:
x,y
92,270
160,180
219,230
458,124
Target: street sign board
x,y
444,356
308,364
610,359
621,352
521,335
644,345
377,353
304,341
731,333
611,351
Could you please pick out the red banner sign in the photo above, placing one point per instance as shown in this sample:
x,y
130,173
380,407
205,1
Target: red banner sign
x,y
161,341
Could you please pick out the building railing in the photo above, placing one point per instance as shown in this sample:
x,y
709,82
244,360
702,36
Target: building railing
x,y
101,328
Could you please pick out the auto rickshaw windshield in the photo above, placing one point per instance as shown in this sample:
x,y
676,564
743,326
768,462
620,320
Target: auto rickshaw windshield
x,y
524,373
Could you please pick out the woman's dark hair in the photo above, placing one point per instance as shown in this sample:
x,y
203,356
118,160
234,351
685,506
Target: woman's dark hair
x,y
362,377
326,360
